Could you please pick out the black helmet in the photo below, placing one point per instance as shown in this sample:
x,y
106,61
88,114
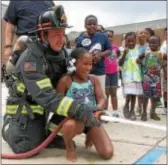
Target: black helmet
x,y
53,18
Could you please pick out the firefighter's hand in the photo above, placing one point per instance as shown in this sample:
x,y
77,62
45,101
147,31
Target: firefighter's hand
x,y
86,114
100,113
7,53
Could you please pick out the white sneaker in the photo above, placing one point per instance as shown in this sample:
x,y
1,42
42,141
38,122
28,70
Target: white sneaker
x,y
109,113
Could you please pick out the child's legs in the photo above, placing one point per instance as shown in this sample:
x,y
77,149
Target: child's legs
x,y
165,101
102,82
165,98
153,114
107,91
144,113
70,129
127,100
153,105
165,88
139,101
126,106
113,90
133,99
132,112
145,103
101,141
114,101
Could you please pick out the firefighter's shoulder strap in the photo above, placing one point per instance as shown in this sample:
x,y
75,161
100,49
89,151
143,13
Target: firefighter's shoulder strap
x,y
36,48
67,56
23,103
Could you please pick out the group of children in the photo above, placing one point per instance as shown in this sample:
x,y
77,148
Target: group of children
x,y
141,76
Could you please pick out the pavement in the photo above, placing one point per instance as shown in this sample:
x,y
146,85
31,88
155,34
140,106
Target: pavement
x,y
132,144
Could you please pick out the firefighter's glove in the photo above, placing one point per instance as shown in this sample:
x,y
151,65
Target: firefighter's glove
x,y
86,114
100,113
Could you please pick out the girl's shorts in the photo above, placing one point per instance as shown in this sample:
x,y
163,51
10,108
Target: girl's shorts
x,y
111,80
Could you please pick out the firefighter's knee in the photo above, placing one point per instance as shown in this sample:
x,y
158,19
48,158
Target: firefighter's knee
x,y
22,145
23,138
10,68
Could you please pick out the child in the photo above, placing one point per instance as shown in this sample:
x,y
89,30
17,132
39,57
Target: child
x,y
152,63
131,75
86,89
111,69
163,50
143,47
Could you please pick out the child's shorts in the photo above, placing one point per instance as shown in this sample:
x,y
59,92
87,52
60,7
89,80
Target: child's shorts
x,y
111,80
152,88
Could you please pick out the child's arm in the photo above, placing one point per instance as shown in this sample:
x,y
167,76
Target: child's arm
x,y
164,56
140,58
63,85
100,98
121,60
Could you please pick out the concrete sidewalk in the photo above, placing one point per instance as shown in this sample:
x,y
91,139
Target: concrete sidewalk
x,y
132,144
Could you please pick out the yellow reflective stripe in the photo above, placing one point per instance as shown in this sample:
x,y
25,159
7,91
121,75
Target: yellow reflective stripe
x,y
52,126
20,87
64,106
44,83
14,77
12,109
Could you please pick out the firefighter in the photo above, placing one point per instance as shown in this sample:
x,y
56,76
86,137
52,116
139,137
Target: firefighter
x,y
32,95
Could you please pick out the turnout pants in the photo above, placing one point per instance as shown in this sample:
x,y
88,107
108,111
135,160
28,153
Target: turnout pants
x,y
23,134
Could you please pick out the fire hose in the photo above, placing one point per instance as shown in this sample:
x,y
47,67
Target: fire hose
x,y
99,115
38,148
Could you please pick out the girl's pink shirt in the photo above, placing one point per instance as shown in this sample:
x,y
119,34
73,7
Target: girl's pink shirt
x,y
111,64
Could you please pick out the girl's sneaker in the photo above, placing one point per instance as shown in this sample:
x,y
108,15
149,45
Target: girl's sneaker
x,y
115,114
144,116
112,113
154,116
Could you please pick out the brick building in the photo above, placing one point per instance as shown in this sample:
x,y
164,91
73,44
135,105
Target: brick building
x,y
157,25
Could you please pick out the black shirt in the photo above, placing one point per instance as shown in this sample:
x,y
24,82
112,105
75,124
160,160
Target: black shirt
x,y
24,14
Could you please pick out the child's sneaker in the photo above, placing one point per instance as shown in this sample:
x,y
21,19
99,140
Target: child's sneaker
x,y
112,113
109,113
144,116
115,114
154,116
